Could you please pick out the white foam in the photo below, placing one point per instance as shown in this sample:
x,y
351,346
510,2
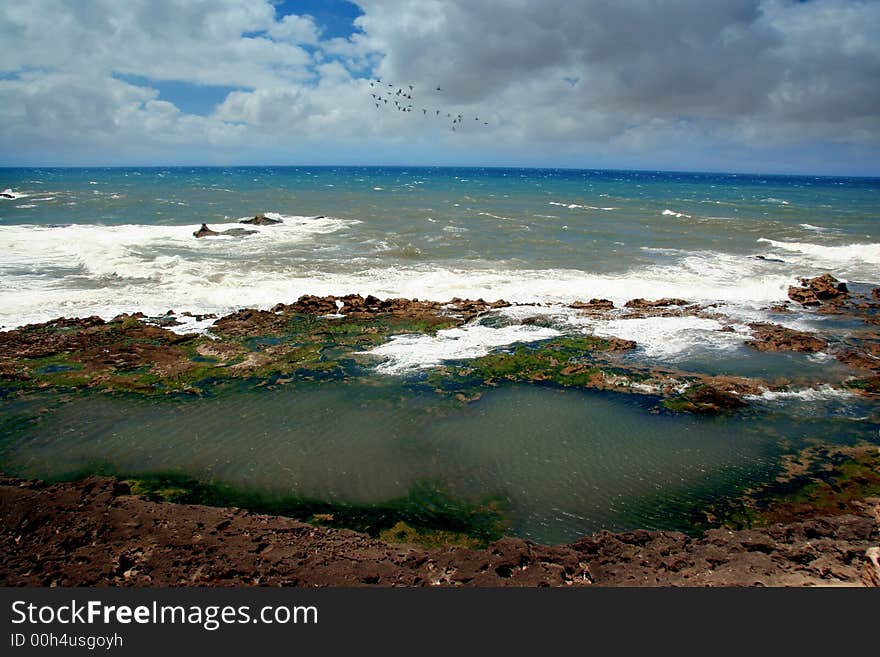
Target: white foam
x,y
822,393
26,205
15,195
79,270
852,261
573,206
191,325
664,338
673,213
772,199
412,352
85,270
817,229
82,270
671,338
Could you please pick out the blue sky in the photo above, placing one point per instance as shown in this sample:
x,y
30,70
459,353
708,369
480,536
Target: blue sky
x,y
742,85
335,18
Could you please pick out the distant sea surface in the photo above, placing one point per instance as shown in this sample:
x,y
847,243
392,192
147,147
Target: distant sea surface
x,y
80,242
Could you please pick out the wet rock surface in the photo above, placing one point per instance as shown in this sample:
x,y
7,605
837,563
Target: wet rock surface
x,y
659,303
705,399
94,532
204,231
772,337
261,220
593,305
815,291
330,337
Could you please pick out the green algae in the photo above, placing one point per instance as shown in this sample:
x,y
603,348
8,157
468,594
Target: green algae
x,y
819,480
307,347
428,514
701,398
429,538
825,481
871,385
567,361
264,348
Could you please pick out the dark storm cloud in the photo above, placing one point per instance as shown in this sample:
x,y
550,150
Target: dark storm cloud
x,y
752,66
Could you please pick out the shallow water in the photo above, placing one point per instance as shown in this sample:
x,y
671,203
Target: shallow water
x,y
567,462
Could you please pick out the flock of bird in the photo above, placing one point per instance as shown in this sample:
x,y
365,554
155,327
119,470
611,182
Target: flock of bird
x,y
388,96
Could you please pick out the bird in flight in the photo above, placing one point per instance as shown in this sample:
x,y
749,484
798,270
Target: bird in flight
x,y
397,93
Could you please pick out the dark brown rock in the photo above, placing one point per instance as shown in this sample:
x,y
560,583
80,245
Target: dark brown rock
x,y
593,304
659,303
815,291
261,220
708,399
248,322
204,231
858,360
47,538
772,337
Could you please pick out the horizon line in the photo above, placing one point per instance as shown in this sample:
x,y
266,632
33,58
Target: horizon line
x,y
443,166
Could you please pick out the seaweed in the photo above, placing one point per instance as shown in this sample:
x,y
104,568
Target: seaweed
x,y
428,513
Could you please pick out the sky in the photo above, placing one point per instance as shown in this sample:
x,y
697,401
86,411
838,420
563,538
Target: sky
x,y
775,86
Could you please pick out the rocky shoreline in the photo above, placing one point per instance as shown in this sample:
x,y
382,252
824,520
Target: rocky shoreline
x,y
95,532
320,338
813,528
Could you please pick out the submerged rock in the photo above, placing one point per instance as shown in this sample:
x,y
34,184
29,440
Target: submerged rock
x,y
704,399
204,231
239,232
261,220
859,360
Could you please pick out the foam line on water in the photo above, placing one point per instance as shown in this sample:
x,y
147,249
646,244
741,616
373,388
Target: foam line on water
x,y
86,269
822,393
670,338
856,261
405,353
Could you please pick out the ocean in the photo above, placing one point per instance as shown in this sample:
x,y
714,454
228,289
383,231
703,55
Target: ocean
x,y
104,241
81,242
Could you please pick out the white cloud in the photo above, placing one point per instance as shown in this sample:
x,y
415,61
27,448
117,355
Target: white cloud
x,y
298,29
739,78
